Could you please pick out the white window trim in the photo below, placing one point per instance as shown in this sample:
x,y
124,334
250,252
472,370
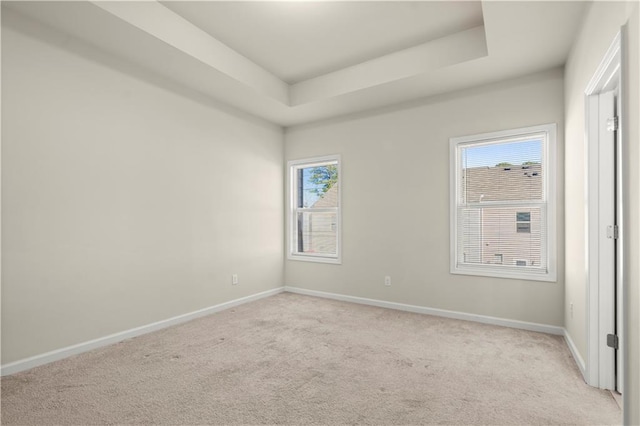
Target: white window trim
x,y
292,241
549,182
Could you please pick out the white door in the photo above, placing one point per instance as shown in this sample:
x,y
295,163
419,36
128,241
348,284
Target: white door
x,y
619,221
610,360
603,212
607,237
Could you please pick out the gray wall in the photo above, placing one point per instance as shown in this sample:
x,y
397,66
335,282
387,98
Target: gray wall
x,y
124,203
602,21
395,193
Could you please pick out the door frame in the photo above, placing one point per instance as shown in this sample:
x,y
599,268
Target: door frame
x,y
601,304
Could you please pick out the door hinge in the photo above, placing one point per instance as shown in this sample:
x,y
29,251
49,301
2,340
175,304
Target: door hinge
x,y
612,124
612,232
612,341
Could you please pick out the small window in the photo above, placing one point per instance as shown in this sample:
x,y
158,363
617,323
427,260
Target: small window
x,y
314,220
503,204
523,222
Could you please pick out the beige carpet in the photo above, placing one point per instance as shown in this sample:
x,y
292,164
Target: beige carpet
x,y
292,359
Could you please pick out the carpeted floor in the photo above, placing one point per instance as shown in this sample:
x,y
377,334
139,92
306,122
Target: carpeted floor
x,y
292,359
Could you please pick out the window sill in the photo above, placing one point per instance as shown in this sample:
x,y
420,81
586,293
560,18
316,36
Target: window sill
x,y
315,259
507,274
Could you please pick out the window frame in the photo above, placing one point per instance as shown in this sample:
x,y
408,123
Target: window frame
x,y
549,249
292,224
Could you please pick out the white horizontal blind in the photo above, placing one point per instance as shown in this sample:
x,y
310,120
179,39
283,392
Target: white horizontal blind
x,y
502,204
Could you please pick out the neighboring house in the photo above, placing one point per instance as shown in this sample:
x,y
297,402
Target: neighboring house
x,y
503,235
319,228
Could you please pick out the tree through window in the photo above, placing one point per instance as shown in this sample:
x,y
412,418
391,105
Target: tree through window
x,y
315,209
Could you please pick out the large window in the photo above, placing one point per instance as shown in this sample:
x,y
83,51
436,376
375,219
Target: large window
x,y
503,204
314,216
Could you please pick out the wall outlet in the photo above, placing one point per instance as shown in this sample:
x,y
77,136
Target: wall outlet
x,y
387,281
234,279
571,309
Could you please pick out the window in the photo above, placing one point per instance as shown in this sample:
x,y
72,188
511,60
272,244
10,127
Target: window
x,y
314,217
503,204
523,222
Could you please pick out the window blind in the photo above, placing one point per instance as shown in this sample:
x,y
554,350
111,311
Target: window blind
x,y
502,210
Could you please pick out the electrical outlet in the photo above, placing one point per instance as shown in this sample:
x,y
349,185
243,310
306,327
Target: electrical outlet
x,y
387,281
571,309
234,279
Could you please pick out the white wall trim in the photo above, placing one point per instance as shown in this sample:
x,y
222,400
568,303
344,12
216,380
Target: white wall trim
x,y
58,354
576,355
523,325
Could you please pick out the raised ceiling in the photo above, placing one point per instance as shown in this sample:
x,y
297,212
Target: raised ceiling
x,y
297,62
299,40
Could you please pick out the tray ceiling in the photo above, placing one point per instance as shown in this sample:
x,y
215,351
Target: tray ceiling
x,y
297,62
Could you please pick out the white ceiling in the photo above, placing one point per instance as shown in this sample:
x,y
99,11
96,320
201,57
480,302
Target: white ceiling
x,y
297,62
300,40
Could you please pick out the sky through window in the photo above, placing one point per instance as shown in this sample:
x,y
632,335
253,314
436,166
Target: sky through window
x,y
514,153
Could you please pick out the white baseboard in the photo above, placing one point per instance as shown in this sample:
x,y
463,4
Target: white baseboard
x,y
34,361
542,328
582,366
